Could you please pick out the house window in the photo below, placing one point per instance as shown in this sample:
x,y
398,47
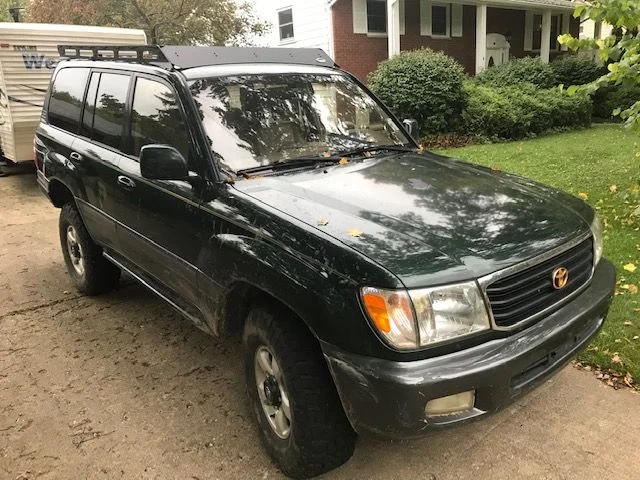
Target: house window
x,y
376,16
285,23
537,32
440,20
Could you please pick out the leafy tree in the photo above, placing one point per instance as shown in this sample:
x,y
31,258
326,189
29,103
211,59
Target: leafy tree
x,y
620,51
165,21
5,5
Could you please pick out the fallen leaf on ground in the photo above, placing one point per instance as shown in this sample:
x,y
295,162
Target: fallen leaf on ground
x,y
354,232
583,195
613,188
628,380
633,288
616,358
627,323
630,267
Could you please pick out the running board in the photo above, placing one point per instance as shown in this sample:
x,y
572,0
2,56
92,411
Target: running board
x,y
196,321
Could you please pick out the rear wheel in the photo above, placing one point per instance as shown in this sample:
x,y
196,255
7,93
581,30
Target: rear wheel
x,y
91,272
292,395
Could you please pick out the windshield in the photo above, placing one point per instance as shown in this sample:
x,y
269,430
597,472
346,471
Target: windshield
x,y
259,119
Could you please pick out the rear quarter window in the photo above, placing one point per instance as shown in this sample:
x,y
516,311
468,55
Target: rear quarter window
x,y
65,102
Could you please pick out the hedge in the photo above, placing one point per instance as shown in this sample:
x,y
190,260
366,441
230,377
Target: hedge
x,y
576,70
607,99
513,112
424,85
517,72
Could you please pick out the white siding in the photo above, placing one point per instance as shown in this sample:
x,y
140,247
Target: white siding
x,y
589,27
311,23
25,74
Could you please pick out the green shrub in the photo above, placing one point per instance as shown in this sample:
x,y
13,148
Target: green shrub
x,y
576,70
424,85
519,71
607,99
512,112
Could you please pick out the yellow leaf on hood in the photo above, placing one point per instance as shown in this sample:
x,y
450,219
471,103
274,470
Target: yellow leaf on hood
x,y
354,232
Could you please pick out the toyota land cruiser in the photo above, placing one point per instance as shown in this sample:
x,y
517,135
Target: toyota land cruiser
x,y
378,287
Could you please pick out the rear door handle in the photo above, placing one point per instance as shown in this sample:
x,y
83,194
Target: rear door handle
x,y
75,156
126,182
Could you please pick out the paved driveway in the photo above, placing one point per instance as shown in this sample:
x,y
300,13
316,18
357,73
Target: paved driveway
x,y
120,386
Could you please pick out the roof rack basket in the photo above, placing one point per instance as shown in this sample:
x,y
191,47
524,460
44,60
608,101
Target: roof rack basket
x,y
188,56
126,53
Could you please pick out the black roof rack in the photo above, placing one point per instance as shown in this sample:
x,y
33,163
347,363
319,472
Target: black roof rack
x,y
181,57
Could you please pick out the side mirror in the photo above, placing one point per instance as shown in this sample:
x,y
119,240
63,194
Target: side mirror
x,y
162,162
411,127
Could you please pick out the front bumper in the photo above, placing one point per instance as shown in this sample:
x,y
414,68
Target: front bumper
x,y
388,398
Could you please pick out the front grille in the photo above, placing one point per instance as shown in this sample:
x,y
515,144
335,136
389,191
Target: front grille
x,y
530,291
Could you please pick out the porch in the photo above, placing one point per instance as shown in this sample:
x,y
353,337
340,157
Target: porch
x,y
477,34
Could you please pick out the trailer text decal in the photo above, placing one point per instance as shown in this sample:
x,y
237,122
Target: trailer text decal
x,y
34,60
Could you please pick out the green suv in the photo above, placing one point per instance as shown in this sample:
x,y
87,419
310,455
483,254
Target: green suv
x,y
378,288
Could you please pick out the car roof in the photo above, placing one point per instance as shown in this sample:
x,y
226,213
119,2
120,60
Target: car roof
x,y
256,69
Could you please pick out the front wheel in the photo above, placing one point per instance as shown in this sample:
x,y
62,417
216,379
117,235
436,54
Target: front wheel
x,y
91,272
292,395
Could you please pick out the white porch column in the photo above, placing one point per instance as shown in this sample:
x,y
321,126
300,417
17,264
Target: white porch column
x,y
481,37
393,26
545,38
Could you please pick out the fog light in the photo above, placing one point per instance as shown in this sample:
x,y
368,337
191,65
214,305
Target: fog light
x,y
451,404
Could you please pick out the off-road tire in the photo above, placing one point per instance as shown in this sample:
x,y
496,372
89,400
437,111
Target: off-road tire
x,y
320,438
100,275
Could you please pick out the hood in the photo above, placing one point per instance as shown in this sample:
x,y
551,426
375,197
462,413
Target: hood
x,y
425,218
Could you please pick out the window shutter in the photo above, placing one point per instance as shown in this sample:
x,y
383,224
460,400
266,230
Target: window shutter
x,y
425,18
456,20
402,17
528,31
359,8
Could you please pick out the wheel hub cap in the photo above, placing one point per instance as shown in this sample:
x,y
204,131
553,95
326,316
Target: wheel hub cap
x,y
274,398
75,250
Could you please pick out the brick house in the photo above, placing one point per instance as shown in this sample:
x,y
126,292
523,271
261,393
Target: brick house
x,y
359,34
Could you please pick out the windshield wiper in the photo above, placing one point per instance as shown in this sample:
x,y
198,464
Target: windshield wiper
x,y
376,148
290,163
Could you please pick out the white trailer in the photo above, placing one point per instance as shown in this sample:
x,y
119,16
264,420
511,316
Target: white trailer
x,y
28,55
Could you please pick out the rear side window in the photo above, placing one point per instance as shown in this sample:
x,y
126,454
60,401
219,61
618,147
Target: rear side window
x,y
156,117
110,108
65,102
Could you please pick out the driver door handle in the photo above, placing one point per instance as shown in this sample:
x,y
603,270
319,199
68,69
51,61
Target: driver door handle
x,y
126,182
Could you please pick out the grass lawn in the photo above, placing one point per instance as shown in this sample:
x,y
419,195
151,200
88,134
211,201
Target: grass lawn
x,y
602,165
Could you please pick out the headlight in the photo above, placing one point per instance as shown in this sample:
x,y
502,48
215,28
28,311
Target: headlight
x,y
596,230
426,316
